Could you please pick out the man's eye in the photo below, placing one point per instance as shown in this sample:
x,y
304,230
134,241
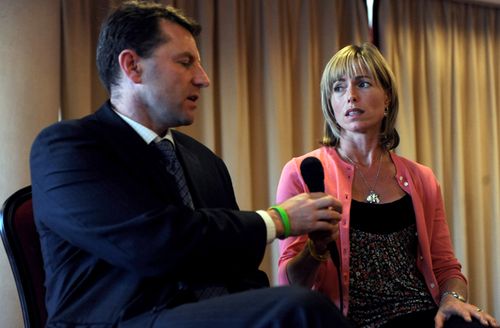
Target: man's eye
x,y
186,63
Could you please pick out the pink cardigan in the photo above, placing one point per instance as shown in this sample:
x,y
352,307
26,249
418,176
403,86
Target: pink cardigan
x,y
436,259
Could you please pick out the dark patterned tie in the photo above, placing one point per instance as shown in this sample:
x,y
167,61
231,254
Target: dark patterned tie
x,y
174,167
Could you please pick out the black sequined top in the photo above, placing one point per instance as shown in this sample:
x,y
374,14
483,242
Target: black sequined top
x,y
385,281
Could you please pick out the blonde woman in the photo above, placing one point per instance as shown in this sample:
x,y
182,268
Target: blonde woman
x,y
397,266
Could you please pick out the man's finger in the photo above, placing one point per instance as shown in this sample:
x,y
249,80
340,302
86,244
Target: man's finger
x,y
326,201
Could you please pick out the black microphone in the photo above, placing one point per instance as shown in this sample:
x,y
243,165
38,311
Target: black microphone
x,y
314,176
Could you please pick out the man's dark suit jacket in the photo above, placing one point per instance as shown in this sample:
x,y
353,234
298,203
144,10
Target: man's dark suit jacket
x,y
115,237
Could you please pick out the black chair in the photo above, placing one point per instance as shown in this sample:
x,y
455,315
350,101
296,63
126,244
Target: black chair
x,y
22,246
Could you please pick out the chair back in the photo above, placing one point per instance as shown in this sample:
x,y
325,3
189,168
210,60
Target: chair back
x,y
22,245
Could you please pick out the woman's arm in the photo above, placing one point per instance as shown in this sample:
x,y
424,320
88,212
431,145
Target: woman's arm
x,y
454,302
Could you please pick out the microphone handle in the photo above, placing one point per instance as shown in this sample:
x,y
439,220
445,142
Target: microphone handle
x,y
334,254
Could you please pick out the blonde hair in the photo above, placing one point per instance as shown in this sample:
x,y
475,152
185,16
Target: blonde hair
x,y
351,61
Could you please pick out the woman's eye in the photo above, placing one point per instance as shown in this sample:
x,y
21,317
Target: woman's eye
x,y
364,84
338,88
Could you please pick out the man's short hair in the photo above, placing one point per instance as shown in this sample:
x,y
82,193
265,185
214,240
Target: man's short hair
x,y
135,25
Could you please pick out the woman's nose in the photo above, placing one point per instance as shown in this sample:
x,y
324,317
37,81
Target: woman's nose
x,y
351,95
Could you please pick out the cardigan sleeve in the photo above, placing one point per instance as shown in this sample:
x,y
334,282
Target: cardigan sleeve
x,y
444,262
437,259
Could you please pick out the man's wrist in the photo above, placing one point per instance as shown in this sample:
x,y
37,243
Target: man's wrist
x,y
284,219
279,228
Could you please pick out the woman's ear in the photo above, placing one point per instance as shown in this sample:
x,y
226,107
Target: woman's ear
x,y
129,64
387,101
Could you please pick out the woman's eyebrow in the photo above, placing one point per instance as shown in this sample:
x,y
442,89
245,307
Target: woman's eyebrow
x,y
357,77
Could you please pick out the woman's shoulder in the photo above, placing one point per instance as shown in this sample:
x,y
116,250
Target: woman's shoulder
x,y
328,157
407,166
323,153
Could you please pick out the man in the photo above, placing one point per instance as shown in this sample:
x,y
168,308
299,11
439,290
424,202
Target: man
x,y
126,241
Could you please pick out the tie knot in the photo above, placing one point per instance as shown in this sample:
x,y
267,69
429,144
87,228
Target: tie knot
x,y
166,147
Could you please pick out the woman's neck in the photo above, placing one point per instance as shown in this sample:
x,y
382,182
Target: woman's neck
x,y
361,154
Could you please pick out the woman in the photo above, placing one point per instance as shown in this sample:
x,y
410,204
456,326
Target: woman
x,y
397,263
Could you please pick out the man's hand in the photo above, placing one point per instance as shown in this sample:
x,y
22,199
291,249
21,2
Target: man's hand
x,y
314,212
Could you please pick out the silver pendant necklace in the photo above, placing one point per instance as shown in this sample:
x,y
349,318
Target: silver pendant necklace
x,y
373,197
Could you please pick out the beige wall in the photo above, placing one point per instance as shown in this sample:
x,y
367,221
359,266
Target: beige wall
x,y
29,100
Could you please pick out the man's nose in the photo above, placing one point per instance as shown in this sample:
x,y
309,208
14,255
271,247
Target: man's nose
x,y
201,78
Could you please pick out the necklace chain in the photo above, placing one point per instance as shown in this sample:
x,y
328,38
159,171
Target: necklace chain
x,y
373,197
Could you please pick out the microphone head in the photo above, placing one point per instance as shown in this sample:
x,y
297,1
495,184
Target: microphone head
x,y
313,174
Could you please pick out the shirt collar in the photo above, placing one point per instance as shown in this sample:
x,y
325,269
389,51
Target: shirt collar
x,y
145,133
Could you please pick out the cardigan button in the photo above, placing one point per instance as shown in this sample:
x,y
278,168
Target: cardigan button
x,y
432,285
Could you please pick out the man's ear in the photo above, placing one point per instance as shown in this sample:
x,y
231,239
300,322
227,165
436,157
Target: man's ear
x,y
129,64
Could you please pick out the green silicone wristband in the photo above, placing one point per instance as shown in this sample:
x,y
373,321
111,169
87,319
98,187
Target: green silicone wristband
x,y
284,219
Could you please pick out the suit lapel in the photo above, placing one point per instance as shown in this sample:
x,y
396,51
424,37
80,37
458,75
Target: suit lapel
x,y
140,158
208,179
